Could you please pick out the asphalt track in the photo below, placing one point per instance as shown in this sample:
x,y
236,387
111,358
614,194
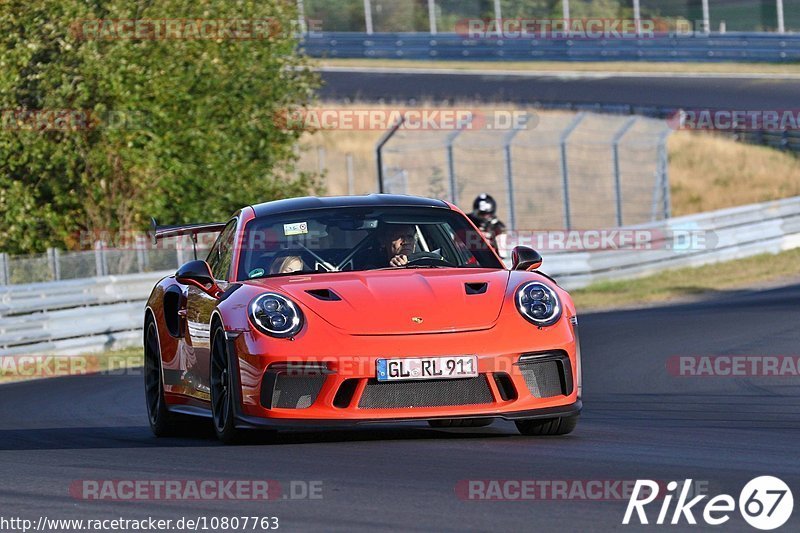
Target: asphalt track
x,y
701,92
639,422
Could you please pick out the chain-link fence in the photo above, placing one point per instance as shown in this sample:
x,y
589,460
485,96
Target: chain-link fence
x,y
556,170
57,265
442,16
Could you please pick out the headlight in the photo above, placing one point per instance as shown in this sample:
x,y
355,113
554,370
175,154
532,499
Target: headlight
x,y
538,303
276,315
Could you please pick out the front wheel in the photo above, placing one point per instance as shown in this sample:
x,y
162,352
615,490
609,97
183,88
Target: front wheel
x,y
547,426
162,423
222,392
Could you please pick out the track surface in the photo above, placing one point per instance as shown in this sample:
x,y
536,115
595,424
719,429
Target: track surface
x,y
639,422
657,91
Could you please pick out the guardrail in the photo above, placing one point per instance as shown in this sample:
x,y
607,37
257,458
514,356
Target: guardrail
x,y
75,316
687,241
712,47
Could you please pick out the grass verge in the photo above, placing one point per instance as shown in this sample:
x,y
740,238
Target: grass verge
x,y
554,66
687,283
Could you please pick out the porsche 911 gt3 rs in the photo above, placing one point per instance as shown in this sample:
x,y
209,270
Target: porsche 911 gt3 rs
x,y
355,310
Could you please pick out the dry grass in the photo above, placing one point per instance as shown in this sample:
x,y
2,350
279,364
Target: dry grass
x,y
549,66
685,283
709,172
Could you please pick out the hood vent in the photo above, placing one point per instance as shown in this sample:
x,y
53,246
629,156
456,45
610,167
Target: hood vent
x,y
476,288
326,295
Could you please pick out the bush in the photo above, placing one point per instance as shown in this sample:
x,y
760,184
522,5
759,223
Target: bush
x,y
181,129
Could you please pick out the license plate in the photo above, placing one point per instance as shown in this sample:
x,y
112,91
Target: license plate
x,y
428,368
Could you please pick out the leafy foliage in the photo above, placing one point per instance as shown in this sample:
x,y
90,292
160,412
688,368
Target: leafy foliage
x,y
181,129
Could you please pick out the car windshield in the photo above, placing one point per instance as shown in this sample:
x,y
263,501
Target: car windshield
x,y
350,239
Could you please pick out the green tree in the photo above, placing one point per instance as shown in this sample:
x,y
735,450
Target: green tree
x,y
183,129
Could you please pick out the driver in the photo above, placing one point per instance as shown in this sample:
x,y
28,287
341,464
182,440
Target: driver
x,y
398,241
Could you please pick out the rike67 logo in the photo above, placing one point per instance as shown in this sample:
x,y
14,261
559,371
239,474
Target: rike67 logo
x,y
765,503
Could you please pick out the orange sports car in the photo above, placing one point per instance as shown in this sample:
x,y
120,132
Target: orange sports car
x,y
356,310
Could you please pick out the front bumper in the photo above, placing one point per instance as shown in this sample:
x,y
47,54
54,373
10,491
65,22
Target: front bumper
x,y
507,389
251,422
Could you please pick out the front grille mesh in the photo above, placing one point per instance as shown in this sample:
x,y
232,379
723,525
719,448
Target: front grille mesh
x,y
543,378
296,392
429,393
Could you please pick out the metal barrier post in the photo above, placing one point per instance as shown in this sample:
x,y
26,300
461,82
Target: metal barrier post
x,y
498,13
53,258
451,164
617,178
100,258
509,138
379,150
179,251
51,263
781,23
321,159
351,178
661,188
706,18
141,253
432,16
368,16
57,257
4,277
663,162
564,167
301,17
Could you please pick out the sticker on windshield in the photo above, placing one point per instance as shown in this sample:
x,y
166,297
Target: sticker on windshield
x,y
256,272
298,228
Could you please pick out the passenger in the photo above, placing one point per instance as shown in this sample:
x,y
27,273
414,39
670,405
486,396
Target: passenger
x,y
286,264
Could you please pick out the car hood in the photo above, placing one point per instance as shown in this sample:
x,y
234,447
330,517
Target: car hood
x,y
401,302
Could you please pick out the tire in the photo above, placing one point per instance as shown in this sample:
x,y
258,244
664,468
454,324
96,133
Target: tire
x,y
461,423
547,426
222,391
162,422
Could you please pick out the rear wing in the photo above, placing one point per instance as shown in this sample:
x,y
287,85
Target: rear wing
x,y
161,232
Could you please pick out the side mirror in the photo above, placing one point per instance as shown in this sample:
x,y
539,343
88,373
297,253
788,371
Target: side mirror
x,y
196,272
524,258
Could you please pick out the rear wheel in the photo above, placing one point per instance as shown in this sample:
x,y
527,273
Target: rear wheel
x,y
547,426
461,423
162,423
222,392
